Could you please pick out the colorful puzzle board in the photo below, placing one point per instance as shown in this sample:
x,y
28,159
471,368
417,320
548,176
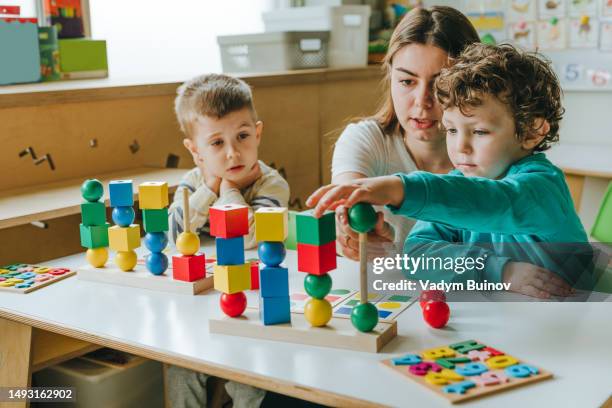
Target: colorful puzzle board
x,y
25,278
343,300
466,370
140,277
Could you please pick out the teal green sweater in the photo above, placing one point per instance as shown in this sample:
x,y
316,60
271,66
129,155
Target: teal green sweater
x,y
526,216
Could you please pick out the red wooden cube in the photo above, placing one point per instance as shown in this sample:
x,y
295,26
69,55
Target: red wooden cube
x,y
188,268
229,220
254,275
316,259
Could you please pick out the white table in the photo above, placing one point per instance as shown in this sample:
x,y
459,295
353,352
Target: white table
x,y
572,340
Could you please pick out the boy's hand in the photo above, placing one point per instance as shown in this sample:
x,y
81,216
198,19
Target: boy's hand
x,y
376,190
348,240
246,181
532,280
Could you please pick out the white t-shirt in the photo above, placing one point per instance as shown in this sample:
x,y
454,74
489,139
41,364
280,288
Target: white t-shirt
x,y
364,148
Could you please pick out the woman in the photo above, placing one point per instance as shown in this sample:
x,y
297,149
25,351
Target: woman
x,y
405,134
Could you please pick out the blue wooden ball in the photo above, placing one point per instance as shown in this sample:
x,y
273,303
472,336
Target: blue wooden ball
x,y
123,216
157,263
271,253
156,241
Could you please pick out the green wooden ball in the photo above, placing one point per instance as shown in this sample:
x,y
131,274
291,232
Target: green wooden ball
x,y
92,190
364,317
362,217
318,286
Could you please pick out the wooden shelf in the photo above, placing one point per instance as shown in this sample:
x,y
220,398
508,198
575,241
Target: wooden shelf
x,y
29,204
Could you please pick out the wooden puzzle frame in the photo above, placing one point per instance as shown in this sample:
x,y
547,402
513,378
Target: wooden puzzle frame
x,y
338,333
38,285
472,393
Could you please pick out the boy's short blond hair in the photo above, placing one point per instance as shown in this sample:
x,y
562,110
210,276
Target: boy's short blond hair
x,y
213,95
522,80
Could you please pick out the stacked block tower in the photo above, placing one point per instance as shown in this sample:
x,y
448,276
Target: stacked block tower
x,y
123,237
232,275
316,248
153,201
271,225
190,265
93,227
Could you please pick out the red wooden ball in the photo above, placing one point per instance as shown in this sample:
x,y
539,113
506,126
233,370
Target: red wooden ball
x,y
233,304
436,314
431,295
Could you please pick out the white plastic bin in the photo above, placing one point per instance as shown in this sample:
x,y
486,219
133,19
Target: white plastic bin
x,y
271,52
348,26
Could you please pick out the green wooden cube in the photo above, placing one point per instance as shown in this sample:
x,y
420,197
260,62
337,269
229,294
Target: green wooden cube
x,y
93,213
155,220
291,241
94,236
313,231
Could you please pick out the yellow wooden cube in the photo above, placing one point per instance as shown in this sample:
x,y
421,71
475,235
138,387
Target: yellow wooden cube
x,y
124,238
232,278
153,195
271,224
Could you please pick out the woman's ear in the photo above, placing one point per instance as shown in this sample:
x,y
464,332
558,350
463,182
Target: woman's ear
x,y
539,130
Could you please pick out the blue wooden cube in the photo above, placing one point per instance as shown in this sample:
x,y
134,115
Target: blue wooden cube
x,y
273,281
274,310
230,251
121,193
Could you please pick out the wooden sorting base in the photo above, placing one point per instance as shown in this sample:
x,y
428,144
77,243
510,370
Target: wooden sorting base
x,y
472,393
339,333
140,277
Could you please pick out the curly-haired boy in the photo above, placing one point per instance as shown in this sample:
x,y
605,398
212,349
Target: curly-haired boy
x,y
504,202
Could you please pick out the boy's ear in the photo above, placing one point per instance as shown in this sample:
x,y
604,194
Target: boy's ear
x,y
540,129
189,145
258,131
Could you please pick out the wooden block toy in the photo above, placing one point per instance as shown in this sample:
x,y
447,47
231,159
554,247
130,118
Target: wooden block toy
x,y
273,281
92,190
315,259
291,241
318,286
230,251
155,220
156,241
97,257
338,333
271,224
188,268
121,193
254,275
93,213
187,242
94,236
229,221
153,195
233,304
436,314
124,238
315,231
25,278
464,379
123,216
156,262
271,253
275,310
232,278
318,312
126,260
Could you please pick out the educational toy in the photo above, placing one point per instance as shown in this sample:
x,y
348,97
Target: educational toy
x,y
155,220
25,278
230,251
316,259
274,310
124,238
153,195
273,281
94,236
188,268
233,304
315,231
232,278
458,373
436,314
229,221
271,224
121,193
93,213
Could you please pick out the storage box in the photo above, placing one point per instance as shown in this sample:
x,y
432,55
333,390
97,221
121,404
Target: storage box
x,y
20,61
270,52
83,58
97,385
348,27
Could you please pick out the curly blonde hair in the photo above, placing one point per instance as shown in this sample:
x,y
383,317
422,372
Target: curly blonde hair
x,y
522,80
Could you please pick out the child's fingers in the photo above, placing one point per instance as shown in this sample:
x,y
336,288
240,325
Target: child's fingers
x,y
549,287
532,291
316,196
560,286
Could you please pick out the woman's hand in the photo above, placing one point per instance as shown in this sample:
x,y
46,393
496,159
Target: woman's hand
x,y
380,239
532,280
376,190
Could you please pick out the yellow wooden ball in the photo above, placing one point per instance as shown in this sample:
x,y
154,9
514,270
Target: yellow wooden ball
x,y
97,257
318,312
126,260
187,243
